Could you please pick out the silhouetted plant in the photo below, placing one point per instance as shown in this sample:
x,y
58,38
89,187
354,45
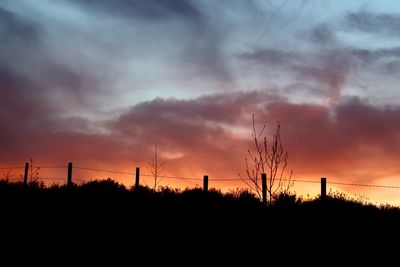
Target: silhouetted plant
x,y
244,195
7,174
271,159
36,185
285,199
107,185
156,167
341,196
168,191
33,171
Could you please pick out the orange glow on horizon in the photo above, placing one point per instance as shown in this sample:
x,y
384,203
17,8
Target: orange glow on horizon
x,y
191,177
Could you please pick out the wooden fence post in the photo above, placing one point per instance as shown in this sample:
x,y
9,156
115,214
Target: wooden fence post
x,y
26,173
323,188
69,179
205,183
264,187
137,177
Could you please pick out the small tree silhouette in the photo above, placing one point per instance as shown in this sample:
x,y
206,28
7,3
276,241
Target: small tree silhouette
x,y
33,171
7,174
271,159
156,168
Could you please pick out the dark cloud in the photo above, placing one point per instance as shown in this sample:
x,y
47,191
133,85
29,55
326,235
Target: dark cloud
x,y
42,90
375,123
226,109
374,22
350,137
328,68
32,76
15,29
200,40
18,97
372,56
148,9
319,138
271,56
322,34
313,133
201,133
391,67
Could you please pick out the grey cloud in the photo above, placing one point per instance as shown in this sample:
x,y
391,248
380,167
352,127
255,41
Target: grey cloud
x,y
322,34
32,76
148,9
374,22
19,98
391,67
219,108
317,137
373,55
200,36
15,29
271,56
329,68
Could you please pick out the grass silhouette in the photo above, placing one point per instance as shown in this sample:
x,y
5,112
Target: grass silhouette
x,y
103,223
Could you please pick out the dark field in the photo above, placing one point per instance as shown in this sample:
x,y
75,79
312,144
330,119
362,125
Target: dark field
x,y
104,224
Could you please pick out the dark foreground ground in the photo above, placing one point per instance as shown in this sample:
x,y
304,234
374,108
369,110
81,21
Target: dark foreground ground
x,y
106,225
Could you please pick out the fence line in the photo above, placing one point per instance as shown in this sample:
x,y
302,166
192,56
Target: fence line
x,y
188,178
52,167
366,185
10,168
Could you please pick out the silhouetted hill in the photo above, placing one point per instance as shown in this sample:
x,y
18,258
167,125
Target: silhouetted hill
x,y
102,223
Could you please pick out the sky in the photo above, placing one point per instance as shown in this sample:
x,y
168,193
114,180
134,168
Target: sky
x,y
101,82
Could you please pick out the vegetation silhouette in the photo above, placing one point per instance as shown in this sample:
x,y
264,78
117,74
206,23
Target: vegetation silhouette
x,y
103,223
268,158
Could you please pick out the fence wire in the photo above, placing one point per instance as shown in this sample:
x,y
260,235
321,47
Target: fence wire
x,y
216,179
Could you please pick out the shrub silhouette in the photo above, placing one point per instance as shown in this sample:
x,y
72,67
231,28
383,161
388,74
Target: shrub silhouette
x,y
286,199
107,185
105,223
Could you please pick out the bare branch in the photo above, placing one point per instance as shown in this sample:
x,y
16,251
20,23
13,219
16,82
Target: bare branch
x,y
156,168
268,157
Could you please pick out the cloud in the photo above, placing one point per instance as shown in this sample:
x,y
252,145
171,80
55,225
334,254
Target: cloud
x,y
364,21
195,38
54,67
211,134
322,34
325,71
271,56
151,9
342,138
371,56
14,30
328,61
327,68
320,139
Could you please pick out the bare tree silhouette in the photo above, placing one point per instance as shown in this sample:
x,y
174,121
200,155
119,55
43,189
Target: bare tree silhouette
x,y
33,171
271,159
156,167
7,174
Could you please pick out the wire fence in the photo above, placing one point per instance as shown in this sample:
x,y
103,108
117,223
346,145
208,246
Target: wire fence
x,y
51,175
217,179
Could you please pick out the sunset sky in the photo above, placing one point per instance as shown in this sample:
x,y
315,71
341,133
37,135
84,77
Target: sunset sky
x,y
101,82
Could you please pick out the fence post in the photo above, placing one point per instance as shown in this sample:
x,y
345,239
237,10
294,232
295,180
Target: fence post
x,y
69,179
264,187
137,177
26,173
205,183
323,188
